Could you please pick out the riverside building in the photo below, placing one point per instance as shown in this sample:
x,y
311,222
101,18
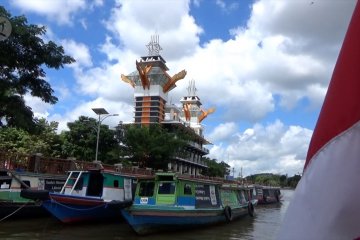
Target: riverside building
x,y
152,84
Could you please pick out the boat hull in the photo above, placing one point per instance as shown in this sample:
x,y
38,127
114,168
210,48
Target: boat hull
x,y
72,209
16,210
146,221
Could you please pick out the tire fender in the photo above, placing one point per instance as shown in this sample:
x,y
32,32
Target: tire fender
x,y
251,209
227,213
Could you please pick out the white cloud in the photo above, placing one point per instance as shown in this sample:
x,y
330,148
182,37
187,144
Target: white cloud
x,y
272,148
223,132
58,10
83,23
84,109
79,51
227,7
178,30
39,108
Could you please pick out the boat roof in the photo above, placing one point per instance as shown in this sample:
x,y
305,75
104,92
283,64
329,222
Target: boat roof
x,y
169,176
263,186
233,186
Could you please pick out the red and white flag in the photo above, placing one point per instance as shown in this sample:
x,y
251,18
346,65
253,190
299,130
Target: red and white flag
x,y
326,202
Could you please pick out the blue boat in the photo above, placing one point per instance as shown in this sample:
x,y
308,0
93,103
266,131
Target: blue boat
x,y
91,195
169,201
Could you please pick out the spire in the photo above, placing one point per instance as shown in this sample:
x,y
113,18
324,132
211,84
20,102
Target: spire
x,y
191,88
154,46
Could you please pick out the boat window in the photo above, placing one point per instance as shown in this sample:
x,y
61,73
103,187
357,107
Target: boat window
x,y
242,198
116,183
146,189
79,184
187,189
166,188
26,182
247,195
5,183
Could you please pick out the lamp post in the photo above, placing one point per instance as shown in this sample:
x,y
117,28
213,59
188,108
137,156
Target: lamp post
x,y
99,112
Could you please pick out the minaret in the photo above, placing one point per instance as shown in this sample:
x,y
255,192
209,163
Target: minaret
x,y
192,111
152,84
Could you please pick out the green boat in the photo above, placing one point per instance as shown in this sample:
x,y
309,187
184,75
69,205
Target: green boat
x,y
169,201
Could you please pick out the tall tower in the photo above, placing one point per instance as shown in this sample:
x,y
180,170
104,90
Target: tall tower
x,y
192,111
152,84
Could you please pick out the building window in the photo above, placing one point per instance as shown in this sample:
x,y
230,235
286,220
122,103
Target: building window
x,y
154,119
156,98
155,104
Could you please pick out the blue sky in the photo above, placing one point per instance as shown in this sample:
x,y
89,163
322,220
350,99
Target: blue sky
x,y
264,65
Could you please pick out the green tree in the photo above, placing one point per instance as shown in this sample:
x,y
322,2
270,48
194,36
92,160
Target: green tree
x,y
152,146
22,58
215,169
80,141
45,140
265,179
283,180
15,140
294,180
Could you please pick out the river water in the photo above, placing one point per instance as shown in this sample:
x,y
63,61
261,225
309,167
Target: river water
x,y
265,226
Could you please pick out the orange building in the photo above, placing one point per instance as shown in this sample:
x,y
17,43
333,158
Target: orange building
x,y
152,84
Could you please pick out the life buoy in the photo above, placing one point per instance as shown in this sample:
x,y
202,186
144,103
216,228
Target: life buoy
x,y
251,209
227,212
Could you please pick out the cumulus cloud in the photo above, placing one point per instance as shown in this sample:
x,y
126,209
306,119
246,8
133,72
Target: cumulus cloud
x,y
226,7
222,132
58,10
84,109
178,30
79,51
272,148
39,108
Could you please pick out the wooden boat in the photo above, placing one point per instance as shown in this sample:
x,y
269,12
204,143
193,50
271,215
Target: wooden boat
x,y
19,172
95,194
12,204
267,194
168,201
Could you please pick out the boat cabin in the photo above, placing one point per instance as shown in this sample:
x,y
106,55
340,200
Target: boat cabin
x,y
267,194
234,195
171,189
99,184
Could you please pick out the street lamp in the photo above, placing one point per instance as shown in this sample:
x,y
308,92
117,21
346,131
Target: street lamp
x,y
99,112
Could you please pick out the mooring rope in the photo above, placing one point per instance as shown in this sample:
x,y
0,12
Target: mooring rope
x,y
14,212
